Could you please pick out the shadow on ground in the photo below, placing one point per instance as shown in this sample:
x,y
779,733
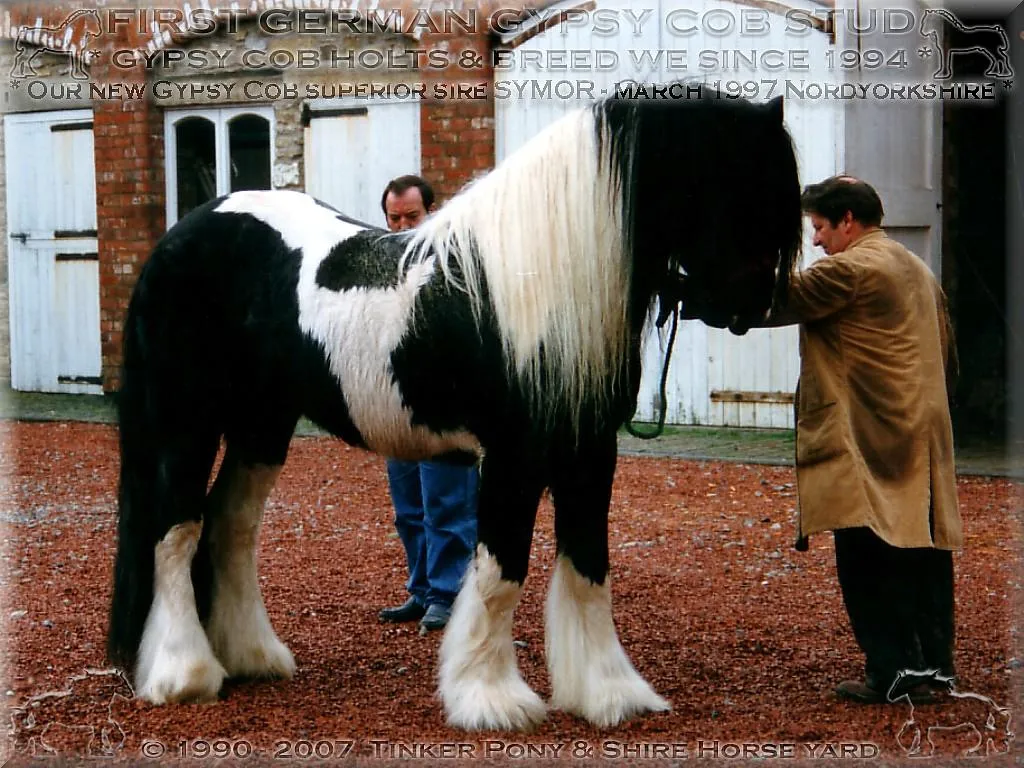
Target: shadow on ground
x,y
749,446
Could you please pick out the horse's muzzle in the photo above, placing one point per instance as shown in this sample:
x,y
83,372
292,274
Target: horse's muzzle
x,y
739,326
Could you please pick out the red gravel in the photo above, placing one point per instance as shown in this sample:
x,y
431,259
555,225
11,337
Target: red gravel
x,y
745,636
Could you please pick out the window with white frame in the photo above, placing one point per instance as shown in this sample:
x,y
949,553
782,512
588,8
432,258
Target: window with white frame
x,y
210,152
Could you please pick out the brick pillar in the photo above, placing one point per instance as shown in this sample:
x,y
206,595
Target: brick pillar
x,y
457,131
130,218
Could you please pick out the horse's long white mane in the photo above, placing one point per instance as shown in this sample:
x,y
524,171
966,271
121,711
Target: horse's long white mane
x,y
546,226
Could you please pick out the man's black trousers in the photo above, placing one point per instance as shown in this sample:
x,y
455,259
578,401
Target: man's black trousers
x,y
900,603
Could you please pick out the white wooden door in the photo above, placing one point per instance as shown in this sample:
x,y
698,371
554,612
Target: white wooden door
x,y
715,378
53,258
353,148
896,146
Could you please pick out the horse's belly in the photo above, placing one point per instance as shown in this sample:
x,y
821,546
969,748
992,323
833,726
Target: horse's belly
x,y
419,443
387,426
360,329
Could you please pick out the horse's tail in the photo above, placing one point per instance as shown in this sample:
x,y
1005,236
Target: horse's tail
x,y
136,529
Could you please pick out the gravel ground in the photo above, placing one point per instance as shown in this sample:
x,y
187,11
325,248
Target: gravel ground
x,y
744,635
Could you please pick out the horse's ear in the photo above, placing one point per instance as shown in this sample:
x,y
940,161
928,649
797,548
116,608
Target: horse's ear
x,y
775,108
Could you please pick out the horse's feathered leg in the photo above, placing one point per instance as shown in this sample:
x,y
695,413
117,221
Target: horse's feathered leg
x,y
169,442
155,622
24,62
18,67
480,683
591,675
175,661
946,68
78,62
238,626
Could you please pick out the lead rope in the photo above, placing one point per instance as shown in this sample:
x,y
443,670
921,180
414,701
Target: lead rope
x,y
663,400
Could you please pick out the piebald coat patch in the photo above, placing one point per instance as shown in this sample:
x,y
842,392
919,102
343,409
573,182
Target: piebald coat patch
x,y
359,327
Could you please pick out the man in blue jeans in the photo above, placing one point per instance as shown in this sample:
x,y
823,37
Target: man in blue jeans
x,y
435,502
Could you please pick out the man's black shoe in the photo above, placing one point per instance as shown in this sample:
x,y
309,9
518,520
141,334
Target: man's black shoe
x,y
410,610
862,693
436,617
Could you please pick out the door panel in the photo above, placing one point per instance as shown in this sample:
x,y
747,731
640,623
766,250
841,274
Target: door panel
x,y
896,146
53,264
353,150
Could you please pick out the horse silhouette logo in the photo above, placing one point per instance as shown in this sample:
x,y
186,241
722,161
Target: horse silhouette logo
x,y
75,721
71,38
984,39
964,724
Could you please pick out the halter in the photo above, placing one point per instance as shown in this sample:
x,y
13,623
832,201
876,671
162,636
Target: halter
x,y
669,300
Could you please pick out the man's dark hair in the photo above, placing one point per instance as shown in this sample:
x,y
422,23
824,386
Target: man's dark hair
x,y
834,196
403,183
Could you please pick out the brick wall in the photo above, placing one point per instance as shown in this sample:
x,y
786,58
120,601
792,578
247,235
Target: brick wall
x,y
457,135
129,142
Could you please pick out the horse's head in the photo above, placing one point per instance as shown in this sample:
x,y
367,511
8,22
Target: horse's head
x,y
931,25
711,201
88,22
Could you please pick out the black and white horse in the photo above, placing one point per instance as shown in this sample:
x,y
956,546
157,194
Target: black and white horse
x,y
507,326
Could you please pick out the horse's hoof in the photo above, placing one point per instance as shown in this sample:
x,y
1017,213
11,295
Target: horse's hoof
x,y
173,683
613,702
507,707
272,659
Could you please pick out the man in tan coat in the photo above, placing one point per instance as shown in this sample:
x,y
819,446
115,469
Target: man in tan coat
x,y
874,457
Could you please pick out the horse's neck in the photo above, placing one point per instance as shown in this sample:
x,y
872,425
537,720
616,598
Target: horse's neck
x,y
948,17
76,16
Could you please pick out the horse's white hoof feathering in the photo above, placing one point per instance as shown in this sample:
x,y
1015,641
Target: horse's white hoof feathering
x,y
480,683
176,679
175,661
614,701
591,675
265,656
509,705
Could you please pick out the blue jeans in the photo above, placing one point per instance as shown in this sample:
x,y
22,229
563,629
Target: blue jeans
x,y
435,515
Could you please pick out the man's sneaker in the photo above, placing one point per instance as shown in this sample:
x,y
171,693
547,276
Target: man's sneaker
x,y
436,617
410,610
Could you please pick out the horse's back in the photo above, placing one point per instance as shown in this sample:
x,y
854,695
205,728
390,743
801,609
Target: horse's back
x,y
213,321
273,299
231,267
